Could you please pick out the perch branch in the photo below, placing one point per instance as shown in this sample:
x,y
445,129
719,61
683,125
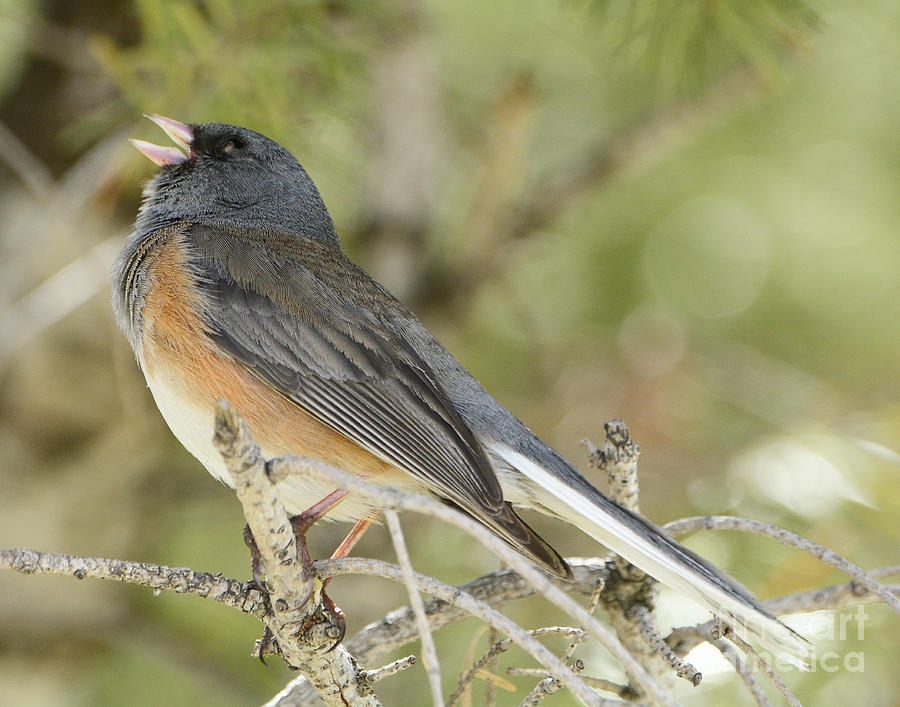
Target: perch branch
x,y
287,467
448,605
231,592
303,631
398,628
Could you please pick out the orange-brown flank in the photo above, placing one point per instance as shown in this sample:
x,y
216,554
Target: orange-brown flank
x,y
175,348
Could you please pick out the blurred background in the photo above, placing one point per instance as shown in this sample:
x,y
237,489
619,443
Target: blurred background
x,y
683,214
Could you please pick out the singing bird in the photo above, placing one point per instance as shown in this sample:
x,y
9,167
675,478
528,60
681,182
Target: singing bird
x,y
233,285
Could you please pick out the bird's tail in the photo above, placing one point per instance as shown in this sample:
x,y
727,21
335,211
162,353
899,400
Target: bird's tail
x,y
571,497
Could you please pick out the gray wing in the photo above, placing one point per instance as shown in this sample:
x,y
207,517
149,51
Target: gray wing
x,y
304,323
361,384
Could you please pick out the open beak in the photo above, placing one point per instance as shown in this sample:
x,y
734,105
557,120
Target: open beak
x,y
180,133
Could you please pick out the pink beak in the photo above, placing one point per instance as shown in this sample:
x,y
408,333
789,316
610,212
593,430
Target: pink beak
x,y
180,133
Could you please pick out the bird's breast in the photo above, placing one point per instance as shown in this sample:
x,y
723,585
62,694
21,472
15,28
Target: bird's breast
x,y
187,374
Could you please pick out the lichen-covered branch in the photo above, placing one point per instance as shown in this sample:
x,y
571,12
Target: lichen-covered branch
x,y
303,637
398,627
231,592
392,499
629,595
298,622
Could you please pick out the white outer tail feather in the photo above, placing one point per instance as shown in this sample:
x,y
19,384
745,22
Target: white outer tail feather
x,y
666,568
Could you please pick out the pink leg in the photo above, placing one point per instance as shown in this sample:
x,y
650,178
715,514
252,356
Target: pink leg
x,y
356,532
304,521
301,523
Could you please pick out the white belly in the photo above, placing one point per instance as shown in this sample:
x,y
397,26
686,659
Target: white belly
x,y
193,426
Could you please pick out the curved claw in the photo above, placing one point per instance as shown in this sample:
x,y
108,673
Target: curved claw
x,y
338,616
265,645
255,561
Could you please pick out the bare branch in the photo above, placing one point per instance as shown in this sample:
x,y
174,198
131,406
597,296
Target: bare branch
x,y
609,686
490,677
629,596
546,687
286,467
764,666
888,571
398,627
338,679
453,596
231,592
499,647
548,684
618,457
641,616
370,677
592,607
429,651
737,661
785,537
839,596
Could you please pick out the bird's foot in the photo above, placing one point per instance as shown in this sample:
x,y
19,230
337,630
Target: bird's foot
x,y
326,610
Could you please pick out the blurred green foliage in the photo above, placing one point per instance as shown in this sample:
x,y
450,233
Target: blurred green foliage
x,y
682,46
681,213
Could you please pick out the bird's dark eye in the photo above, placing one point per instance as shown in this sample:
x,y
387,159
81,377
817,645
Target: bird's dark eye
x,y
229,147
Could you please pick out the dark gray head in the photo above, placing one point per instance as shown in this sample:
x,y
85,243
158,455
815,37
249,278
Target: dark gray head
x,y
230,176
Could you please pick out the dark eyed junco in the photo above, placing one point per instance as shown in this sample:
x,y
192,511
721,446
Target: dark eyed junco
x,y
233,285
